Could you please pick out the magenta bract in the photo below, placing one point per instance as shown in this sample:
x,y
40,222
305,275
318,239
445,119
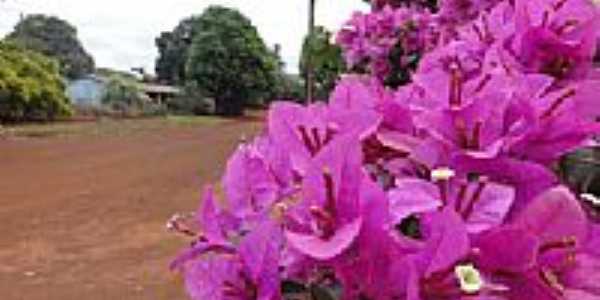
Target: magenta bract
x,y
442,188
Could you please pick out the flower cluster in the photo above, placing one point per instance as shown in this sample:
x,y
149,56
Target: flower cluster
x,y
440,189
380,4
463,11
388,39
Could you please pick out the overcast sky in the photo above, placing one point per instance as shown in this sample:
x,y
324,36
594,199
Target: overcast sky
x,y
120,33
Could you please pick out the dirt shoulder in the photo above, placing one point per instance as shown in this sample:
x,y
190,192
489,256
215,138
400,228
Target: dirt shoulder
x,y
83,214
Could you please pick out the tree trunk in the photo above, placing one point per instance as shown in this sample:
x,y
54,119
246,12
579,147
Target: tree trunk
x,y
230,106
309,81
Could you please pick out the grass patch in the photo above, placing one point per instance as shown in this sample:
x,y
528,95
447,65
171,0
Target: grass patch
x,y
108,127
194,120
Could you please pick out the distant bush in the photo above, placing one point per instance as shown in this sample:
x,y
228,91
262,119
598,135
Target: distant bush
x,y
124,98
31,88
191,101
152,109
120,91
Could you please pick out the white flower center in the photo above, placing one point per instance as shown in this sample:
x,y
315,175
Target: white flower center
x,y
591,198
443,174
469,278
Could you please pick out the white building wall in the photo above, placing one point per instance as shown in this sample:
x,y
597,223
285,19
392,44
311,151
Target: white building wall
x,y
86,92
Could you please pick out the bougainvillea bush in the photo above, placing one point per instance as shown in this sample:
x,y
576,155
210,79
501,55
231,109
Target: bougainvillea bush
x,y
440,188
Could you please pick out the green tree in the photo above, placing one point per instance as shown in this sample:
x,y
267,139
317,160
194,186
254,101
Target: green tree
x,y
173,48
31,87
291,88
121,91
229,60
326,59
309,66
55,38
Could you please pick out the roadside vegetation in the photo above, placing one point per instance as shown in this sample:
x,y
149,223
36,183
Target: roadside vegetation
x,y
106,127
31,88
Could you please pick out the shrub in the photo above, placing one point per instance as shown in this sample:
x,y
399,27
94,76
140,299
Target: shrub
x,y
192,101
120,91
31,88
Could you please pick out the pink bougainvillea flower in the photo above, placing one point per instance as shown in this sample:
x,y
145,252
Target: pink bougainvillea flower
x,y
371,37
555,123
355,92
303,131
476,129
482,205
541,255
440,189
461,11
490,28
249,273
549,259
328,219
250,185
379,4
354,105
300,131
529,179
375,265
556,37
524,121
431,270
216,230
443,74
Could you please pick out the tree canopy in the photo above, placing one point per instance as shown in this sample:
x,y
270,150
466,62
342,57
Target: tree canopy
x,y
55,38
31,87
229,60
173,48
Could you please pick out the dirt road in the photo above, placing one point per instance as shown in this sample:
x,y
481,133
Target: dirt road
x,y
83,217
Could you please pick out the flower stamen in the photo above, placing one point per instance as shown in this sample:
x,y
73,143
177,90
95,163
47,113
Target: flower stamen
x,y
566,243
442,177
469,278
324,221
475,197
557,103
306,140
455,93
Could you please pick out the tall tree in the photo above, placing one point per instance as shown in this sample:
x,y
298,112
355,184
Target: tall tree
x,y
173,47
229,60
55,38
309,72
326,61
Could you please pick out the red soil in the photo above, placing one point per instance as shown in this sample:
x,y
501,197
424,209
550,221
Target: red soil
x,y
84,217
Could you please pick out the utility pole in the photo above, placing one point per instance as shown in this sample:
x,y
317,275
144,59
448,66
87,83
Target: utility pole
x,y
309,80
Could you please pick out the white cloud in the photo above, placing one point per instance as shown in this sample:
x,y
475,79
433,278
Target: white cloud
x,y
120,33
